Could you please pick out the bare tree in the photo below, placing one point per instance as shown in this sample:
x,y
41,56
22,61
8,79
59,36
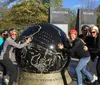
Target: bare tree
x,y
6,2
88,4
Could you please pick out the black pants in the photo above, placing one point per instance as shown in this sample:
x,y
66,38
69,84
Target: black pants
x,y
17,73
11,69
98,69
3,69
91,66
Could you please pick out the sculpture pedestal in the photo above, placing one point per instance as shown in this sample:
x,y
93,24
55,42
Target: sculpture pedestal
x,y
68,77
43,79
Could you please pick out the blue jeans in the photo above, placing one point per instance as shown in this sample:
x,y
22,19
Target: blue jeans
x,y
82,67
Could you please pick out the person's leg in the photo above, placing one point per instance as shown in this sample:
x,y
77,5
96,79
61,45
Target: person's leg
x,y
87,74
1,74
80,66
90,66
5,79
17,73
95,63
11,70
98,70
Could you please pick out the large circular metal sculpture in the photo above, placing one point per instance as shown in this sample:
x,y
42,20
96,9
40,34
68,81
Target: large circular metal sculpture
x,y
42,54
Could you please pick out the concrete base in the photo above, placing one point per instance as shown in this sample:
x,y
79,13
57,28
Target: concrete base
x,y
43,79
68,77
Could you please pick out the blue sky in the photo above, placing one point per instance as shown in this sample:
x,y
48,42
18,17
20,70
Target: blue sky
x,y
70,4
74,4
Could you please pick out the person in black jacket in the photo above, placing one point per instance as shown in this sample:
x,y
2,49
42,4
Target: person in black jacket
x,y
5,35
93,43
78,49
85,32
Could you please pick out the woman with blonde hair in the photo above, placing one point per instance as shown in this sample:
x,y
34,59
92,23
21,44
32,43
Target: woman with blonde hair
x,y
93,43
5,58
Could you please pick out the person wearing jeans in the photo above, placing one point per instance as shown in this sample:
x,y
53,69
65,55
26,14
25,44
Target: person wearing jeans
x,y
82,67
79,49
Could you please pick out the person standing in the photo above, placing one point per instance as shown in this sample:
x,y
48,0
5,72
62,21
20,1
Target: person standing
x,y
85,32
93,43
1,42
78,50
5,56
1,67
5,34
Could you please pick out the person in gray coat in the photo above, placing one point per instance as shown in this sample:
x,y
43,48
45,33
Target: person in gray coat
x,y
5,57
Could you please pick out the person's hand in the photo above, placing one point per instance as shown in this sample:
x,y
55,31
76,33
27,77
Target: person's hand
x,y
67,37
60,46
28,40
85,48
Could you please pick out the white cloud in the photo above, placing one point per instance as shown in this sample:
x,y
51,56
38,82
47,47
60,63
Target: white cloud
x,y
85,4
78,6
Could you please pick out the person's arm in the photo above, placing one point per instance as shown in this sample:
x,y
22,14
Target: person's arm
x,y
13,43
75,46
94,50
1,41
65,50
61,48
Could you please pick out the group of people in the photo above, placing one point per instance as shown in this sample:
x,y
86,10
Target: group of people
x,y
8,62
85,47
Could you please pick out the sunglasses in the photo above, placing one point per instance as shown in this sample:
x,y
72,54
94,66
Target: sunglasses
x,y
93,32
85,30
13,34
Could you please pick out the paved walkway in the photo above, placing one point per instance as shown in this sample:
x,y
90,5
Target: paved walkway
x,y
74,83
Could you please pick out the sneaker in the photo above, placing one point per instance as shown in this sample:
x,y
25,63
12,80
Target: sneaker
x,y
93,80
6,81
14,83
95,77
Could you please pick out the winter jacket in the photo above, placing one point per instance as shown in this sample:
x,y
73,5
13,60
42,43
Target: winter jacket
x,y
77,49
93,45
1,44
8,45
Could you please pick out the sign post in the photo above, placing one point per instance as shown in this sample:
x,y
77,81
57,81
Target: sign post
x,y
85,17
60,17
